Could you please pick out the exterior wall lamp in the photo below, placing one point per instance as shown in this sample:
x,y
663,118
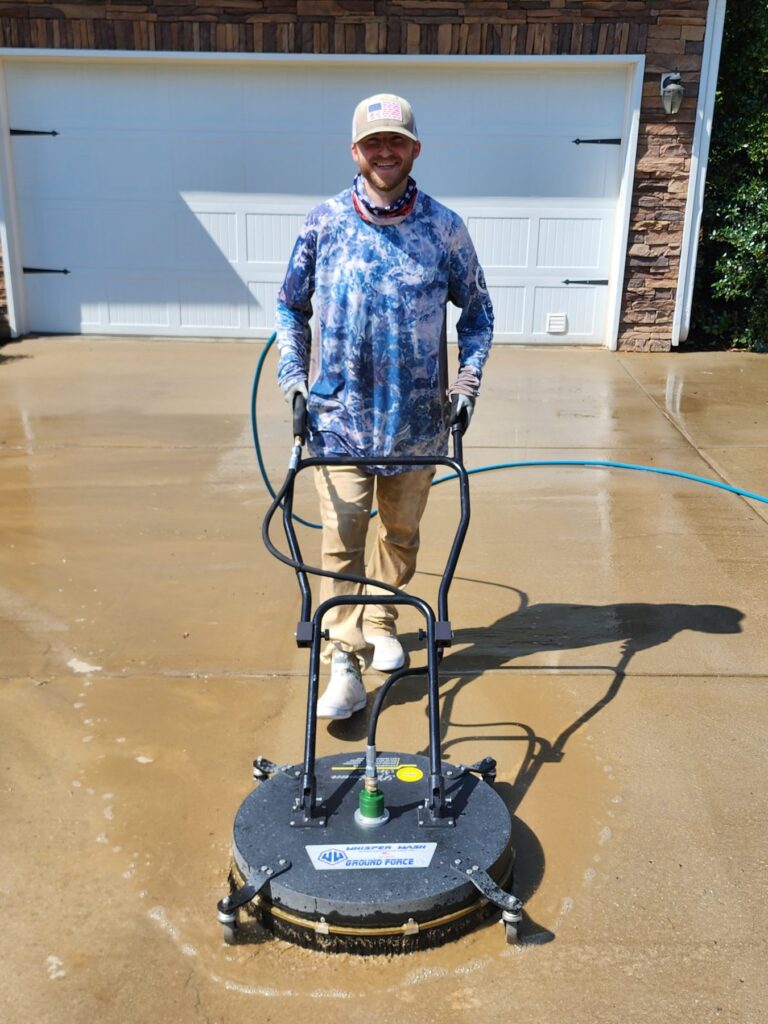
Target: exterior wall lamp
x,y
672,91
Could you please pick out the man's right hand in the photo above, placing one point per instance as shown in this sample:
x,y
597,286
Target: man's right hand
x,y
462,407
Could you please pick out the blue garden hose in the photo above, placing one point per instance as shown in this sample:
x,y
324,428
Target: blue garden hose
x,y
596,463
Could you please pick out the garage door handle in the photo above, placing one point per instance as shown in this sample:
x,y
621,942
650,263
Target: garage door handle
x,y
28,131
42,270
587,281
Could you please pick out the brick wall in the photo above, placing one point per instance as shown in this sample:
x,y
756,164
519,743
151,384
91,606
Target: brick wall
x,y
669,32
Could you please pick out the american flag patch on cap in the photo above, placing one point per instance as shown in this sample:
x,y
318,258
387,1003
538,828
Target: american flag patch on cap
x,y
385,110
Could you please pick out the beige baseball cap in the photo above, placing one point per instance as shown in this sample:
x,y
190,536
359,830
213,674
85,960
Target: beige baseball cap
x,y
384,112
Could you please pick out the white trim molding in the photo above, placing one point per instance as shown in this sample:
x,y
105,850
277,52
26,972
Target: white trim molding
x,y
624,205
9,226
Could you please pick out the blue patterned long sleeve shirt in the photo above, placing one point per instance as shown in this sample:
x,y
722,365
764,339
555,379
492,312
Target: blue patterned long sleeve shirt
x,y
376,359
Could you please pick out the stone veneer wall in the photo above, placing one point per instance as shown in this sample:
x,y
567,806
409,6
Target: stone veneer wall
x,y
669,32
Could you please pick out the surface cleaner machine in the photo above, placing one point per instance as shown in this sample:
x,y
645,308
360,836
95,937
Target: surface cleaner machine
x,y
382,851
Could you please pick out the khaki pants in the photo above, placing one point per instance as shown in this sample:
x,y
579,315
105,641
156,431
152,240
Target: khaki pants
x,y
346,497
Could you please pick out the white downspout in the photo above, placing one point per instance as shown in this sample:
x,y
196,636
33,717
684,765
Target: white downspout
x,y
713,38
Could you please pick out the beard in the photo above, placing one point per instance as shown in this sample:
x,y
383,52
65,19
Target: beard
x,y
368,172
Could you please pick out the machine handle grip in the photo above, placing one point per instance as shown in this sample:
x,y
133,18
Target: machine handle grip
x,y
458,420
300,416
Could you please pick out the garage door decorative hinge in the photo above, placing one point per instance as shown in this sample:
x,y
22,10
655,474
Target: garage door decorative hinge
x,y
585,281
43,270
29,131
597,142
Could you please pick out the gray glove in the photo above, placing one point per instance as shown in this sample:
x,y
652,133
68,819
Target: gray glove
x,y
464,405
299,388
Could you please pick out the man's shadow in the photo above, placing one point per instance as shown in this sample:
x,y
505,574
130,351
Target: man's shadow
x,y
536,629
539,628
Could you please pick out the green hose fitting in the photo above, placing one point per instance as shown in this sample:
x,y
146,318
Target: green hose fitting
x,y
371,811
371,803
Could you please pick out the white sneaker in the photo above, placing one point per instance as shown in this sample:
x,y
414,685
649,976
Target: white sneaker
x,y
388,653
345,693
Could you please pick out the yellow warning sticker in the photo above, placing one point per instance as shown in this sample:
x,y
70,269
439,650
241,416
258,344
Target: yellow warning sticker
x,y
409,773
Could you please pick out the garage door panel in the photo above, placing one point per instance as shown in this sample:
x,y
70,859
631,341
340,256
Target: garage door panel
x,y
579,305
500,240
592,99
40,95
203,99
298,166
557,167
261,311
66,167
66,305
131,235
96,166
269,236
224,309
90,235
290,97
128,100
206,239
509,306
337,168
216,163
497,168
65,97
545,102
572,242
140,300
521,166
139,167
56,234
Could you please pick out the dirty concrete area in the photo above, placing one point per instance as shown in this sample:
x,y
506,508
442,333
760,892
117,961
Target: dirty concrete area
x,y
611,653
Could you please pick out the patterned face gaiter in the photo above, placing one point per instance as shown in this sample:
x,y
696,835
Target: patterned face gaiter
x,y
394,213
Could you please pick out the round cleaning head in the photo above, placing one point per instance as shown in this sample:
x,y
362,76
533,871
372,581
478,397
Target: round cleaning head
x,y
372,886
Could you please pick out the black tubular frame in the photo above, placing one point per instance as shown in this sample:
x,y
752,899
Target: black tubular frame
x,y
309,632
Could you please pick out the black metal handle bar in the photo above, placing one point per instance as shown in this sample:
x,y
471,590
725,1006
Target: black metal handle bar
x,y
300,416
433,708
311,634
415,460
284,499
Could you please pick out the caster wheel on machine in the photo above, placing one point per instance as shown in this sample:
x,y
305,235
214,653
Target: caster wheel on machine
x,y
511,929
229,924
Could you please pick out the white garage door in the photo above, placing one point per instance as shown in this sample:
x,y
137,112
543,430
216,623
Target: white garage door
x,y
172,193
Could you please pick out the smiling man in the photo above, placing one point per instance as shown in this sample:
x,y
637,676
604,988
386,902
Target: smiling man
x,y
377,265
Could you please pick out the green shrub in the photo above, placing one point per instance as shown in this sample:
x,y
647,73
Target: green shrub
x,y
730,302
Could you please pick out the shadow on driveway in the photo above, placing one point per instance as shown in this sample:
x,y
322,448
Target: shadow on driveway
x,y
535,629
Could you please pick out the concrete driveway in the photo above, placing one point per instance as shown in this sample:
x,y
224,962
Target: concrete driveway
x,y
612,654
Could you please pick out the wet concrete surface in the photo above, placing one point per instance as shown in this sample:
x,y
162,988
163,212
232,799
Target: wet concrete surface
x,y
611,652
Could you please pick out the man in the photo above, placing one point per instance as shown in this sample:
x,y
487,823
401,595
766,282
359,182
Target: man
x,y
380,261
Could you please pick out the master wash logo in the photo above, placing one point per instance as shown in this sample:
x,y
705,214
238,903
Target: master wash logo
x,y
332,856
